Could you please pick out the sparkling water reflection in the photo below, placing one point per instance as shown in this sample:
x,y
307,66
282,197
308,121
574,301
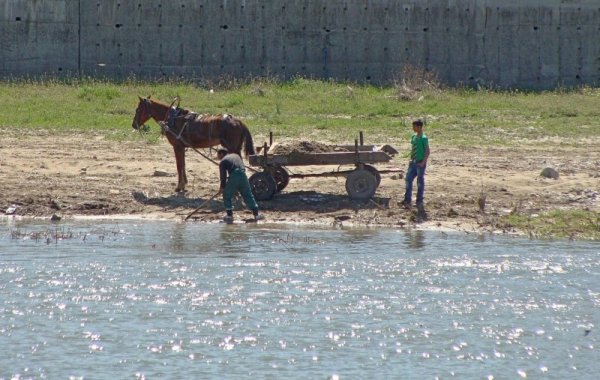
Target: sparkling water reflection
x,y
161,299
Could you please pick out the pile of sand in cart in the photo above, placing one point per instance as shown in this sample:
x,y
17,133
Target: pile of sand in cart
x,y
295,147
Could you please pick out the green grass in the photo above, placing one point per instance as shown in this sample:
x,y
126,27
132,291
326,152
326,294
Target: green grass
x,y
572,224
302,107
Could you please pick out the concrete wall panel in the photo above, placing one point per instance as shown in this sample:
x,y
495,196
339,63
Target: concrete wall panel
x,y
38,37
508,43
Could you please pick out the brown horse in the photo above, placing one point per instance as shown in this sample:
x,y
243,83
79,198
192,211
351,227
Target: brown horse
x,y
186,129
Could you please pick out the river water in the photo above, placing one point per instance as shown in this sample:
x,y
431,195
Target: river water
x,y
150,300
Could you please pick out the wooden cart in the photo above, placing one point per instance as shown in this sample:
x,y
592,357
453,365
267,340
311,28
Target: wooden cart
x,y
361,182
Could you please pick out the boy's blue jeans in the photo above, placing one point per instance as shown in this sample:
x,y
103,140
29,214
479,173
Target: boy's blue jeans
x,y
238,181
414,170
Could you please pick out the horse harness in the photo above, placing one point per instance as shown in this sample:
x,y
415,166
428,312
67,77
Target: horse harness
x,y
168,125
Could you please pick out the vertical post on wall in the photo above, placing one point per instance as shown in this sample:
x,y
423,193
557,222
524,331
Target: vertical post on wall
x,y
79,39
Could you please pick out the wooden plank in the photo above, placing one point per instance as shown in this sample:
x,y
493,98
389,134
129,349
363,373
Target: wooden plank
x,y
334,148
335,158
340,173
272,147
361,148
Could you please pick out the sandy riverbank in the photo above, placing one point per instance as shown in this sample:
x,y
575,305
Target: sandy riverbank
x,y
91,176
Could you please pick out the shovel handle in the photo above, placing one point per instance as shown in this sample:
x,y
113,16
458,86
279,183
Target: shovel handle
x,y
202,205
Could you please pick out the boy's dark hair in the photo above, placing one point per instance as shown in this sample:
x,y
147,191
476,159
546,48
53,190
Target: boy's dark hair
x,y
418,123
222,151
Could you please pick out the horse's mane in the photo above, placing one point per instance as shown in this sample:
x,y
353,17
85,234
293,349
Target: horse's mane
x,y
181,110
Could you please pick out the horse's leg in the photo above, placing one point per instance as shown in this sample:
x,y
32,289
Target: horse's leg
x,y
183,169
180,162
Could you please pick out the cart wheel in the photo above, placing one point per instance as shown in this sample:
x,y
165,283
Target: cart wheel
x,y
361,184
375,173
263,186
281,176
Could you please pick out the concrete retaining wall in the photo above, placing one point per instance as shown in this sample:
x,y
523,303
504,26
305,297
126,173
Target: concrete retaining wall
x,y
506,43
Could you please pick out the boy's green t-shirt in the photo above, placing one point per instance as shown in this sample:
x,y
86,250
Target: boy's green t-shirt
x,y
419,146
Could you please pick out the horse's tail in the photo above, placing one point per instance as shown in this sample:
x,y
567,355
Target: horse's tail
x,y
248,142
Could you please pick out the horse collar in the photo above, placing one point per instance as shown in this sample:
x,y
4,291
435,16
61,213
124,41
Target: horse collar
x,y
172,114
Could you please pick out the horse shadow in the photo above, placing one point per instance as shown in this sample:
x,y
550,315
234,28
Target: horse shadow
x,y
171,202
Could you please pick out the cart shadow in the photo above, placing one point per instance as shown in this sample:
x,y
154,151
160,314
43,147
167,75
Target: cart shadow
x,y
295,201
320,202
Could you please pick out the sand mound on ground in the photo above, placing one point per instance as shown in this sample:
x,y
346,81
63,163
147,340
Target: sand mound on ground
x,y
301,146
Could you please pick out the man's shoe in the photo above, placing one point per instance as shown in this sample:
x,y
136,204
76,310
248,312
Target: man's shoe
x,y
421,213
259,217
405,204
228,219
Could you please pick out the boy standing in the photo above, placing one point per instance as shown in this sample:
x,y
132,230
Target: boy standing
x,y
416,168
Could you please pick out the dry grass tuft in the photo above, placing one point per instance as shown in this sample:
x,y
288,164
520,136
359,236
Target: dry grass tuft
x,y
412,81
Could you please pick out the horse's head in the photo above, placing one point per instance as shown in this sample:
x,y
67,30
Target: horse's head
x,y
142,113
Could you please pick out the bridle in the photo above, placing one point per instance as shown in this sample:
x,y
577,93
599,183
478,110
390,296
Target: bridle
x,y
146,111
146,104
